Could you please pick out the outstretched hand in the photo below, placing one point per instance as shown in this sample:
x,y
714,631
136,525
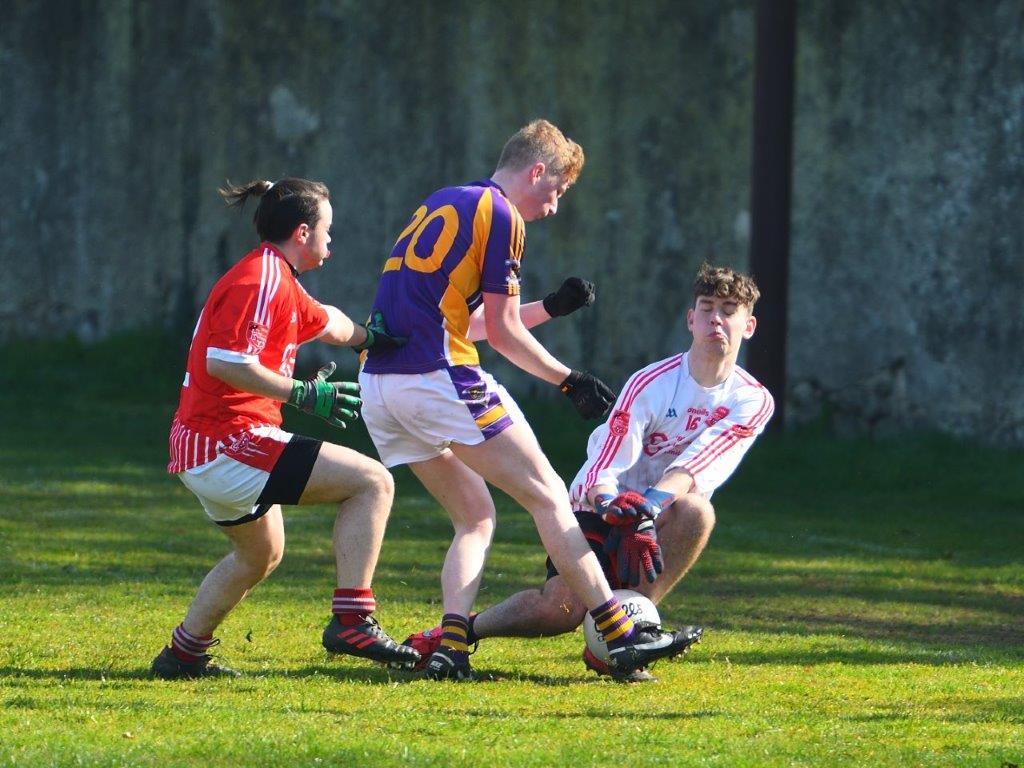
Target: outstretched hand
x,y
333,401
378,336
591,396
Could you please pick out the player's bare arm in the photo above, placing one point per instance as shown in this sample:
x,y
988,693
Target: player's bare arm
x,y
575,293
507,334
342,332
531,315
251,377
335,402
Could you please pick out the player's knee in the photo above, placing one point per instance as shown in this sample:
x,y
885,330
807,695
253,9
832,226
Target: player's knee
x,y
258,562
274,557
380,484
560,610
545,497
481,528
697,513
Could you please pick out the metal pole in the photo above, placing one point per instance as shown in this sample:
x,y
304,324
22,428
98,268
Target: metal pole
x,y
771,181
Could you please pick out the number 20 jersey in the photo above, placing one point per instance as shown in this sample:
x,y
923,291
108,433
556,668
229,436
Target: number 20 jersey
x,y
461,242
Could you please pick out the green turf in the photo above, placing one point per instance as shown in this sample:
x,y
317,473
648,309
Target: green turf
x,y
864,604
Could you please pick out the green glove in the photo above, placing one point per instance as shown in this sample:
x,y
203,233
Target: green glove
x,y
377,335
334,402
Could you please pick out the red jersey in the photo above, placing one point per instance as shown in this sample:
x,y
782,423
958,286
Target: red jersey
x,y
257,312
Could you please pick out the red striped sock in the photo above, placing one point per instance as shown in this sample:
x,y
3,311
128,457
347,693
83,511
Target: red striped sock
x,y
352,606
186,646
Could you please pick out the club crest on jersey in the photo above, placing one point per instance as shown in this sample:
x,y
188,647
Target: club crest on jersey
x,y
719,413
512,278
257,336
671,413
619,424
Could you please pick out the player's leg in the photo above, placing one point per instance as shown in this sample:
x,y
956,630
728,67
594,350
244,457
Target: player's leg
x,y
465,497
551,610
257,547
514,462
364,490
683,532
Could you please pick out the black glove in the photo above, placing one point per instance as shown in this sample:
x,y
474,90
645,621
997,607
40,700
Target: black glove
x,y
589,394
377,336
333,401
573,294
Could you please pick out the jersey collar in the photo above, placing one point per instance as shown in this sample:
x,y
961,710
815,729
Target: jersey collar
x,y
489,183
265,245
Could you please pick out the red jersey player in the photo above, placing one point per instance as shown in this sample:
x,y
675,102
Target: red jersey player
x,y
228,448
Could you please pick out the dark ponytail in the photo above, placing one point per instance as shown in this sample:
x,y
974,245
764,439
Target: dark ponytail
x,y
283,205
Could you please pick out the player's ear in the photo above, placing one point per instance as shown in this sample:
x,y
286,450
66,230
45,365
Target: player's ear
x,y
301,233
536,171
748,331
689,319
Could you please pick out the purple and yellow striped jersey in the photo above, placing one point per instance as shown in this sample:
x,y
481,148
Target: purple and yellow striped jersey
x,y
462,242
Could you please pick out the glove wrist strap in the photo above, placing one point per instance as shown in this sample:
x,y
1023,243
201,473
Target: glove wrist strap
x,y
570,382
549,305
298,393
660,500
367,342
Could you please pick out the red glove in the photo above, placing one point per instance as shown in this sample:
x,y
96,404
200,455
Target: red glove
x,y
625,509
637,550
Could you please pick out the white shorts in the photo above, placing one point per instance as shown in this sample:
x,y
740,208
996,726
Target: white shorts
x,y
233,492
227,489
416,416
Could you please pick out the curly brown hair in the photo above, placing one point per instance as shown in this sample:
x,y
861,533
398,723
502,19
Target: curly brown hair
x,y
725,282
542,141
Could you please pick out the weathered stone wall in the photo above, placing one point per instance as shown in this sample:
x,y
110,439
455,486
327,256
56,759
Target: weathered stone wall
x,y
120,119
908,216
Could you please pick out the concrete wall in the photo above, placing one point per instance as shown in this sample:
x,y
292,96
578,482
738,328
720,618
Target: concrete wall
x,y
126,116
119,120
908,216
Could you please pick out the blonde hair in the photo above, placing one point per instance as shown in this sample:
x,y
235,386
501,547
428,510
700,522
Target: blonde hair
x,y
541,141
725,282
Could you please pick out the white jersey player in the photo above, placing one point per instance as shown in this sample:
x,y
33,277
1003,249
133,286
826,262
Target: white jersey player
x,y
664,420
678,430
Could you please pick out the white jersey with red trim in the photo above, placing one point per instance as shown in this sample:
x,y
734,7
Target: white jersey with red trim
x,y
664,418
256,313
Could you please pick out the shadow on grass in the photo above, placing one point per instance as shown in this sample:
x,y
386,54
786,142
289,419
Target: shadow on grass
x,y
962,709
74,673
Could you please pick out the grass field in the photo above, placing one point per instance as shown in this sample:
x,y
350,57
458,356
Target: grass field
x,y
864,605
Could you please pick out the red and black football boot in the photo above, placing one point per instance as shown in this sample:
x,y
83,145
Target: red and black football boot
x,y
602,669
368,641
427,642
